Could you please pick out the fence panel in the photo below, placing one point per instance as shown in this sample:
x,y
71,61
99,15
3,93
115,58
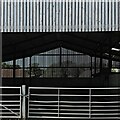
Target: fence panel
x,y
10,103
74,103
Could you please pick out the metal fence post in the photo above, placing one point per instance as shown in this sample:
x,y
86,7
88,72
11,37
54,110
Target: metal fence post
x,y
24,102
58,103
90,103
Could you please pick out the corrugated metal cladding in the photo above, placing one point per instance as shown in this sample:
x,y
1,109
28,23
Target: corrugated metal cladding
x,y
60,16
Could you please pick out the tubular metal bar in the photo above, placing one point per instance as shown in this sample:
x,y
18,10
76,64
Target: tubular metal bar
x,y
39,109
74,88
11,109
69,106
72,95
73,113
57,113
14,117
58,102
9,105
77,106
28,102
24,102
9,101
76,117
20,102
9,87
9,94
2,113
90,103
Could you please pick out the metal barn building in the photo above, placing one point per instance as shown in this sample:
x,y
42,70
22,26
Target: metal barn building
x,y
60,59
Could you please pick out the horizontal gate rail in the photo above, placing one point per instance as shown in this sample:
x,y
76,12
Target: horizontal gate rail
x,y
74,103
73,88
10,103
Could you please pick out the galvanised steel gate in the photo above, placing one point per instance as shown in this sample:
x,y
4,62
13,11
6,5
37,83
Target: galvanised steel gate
x,y
66,103
10,102
74,103
60,15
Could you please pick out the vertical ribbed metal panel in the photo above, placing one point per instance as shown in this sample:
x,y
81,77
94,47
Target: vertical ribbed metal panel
x,y
90,5
60,16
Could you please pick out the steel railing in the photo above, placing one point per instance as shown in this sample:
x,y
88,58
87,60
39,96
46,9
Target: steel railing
x,y
74,103
10,103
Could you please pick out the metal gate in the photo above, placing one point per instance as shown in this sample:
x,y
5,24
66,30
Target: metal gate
x,y
67,103
10,102
74,103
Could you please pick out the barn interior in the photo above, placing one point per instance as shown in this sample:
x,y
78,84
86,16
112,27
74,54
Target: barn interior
x,y
61,59
61,75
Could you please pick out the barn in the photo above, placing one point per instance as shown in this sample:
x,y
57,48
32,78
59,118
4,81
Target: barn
x,y
60,60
